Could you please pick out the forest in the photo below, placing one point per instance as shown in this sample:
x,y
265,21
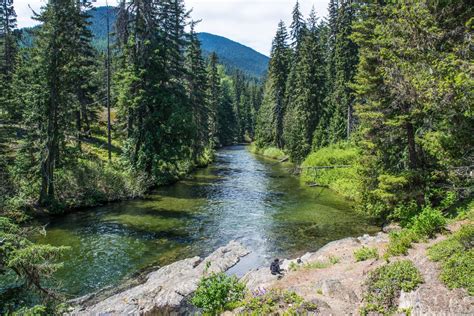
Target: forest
x,y
375,102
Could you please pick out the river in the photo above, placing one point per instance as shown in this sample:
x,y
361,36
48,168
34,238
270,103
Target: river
x,y
241,196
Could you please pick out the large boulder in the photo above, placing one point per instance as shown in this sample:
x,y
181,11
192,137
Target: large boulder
x,y
167,290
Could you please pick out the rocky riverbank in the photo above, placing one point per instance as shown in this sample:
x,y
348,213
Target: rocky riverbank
x,y
330,279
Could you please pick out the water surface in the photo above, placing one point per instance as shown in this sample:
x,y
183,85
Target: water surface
x,y
241,196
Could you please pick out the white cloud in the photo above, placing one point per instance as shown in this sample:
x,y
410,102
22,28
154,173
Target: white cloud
x,y
250,22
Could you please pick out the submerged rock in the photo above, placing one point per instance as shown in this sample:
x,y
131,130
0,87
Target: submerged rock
x,y
167,290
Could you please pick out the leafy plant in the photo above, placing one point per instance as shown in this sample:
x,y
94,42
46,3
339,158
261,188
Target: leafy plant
x,y
366,253
276,302
429,222
218,292
385,283
456,255
400,242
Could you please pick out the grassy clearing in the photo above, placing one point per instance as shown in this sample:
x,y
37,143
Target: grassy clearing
x,y
456,256
268,152
384,284
342,180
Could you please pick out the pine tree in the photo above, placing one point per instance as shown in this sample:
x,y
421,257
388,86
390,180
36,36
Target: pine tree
x,y
198,98
411,110
345,61
307,102
269,130
214,95
297,27
8,49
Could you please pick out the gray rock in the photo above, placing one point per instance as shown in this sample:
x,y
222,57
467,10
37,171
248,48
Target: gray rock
x,y
167,290
334,288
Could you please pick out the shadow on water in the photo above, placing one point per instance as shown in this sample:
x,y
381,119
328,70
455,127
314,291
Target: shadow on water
x,y
241,196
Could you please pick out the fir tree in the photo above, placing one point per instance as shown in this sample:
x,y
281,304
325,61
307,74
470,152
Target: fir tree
x,y
8,49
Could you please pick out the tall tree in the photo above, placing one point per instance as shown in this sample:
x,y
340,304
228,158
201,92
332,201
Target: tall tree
x,y
345,61
8,49
271,114
306,107
297,27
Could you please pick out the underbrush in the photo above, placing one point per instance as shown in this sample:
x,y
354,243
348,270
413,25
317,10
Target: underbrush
x,y
424,225
275,302
332,260
456,256
384,284
341,176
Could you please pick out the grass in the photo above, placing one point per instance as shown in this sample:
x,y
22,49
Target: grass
x,y
456,256
342,180
384,284
366,253
268,152
332,260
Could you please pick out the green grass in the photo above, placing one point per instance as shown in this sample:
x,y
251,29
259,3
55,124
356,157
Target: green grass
x,y
342,180
366,253
456,256
384,284
268,152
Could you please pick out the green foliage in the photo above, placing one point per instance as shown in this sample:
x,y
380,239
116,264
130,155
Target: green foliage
x,y
276,302
366,253
217,293
456,255
429,222
385,283
401,241
31,263
342,178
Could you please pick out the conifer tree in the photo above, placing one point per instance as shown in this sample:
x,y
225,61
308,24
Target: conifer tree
x,y
8,49
297,27
197,94
271,114
214,95
306,107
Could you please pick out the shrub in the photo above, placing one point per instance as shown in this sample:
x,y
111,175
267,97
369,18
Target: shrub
x,y
366,253
456,255
385,283
273,153
400,242
429,222
218,292
275,302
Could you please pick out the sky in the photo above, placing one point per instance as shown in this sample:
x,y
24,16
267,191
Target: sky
x,y
250,22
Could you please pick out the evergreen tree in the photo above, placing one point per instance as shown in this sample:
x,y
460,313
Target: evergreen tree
x,y
412,111
297,27
345,61
8,49
307,102
197,94
269,129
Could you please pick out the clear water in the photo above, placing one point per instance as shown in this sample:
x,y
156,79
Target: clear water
x,y
241,196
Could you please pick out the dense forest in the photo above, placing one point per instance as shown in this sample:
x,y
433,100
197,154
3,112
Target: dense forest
x,y
385,87
375,102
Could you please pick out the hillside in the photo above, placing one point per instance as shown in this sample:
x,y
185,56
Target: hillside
x,y
232,54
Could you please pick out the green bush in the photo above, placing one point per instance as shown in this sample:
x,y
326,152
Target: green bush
x,y
429,222
385,283
456,255
275,302
366,253
400,242
342,180
217,293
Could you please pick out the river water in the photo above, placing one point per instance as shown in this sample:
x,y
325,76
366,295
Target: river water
x,y
241,196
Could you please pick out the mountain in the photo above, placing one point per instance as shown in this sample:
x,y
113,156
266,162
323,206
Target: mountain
x,y
232,54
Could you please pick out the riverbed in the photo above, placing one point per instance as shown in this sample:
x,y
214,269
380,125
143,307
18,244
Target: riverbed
x,y
240,197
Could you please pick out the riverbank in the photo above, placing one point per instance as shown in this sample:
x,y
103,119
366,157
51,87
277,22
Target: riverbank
x,y
334,280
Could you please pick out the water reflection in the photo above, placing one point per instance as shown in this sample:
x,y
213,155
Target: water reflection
x,y
239,197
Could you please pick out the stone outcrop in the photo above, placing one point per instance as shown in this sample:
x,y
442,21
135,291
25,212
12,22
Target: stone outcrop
x,y
167,290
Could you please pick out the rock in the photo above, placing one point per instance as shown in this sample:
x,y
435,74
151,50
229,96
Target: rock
x,y
391,227
334,288
167,290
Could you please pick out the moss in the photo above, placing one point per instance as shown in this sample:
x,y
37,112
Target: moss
x,y
342,180
456,255
385,283
365,253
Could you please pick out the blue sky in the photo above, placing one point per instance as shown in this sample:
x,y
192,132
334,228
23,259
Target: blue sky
x,y
250,22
